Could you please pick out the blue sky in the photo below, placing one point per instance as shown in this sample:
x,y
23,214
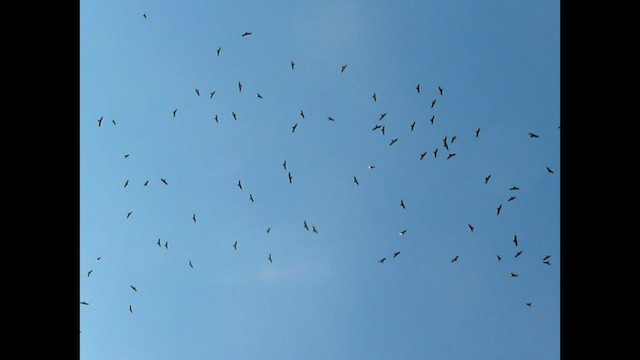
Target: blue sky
x,y
325,295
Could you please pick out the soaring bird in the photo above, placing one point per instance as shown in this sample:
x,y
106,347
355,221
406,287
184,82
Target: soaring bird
x,y
113,121
371,167
382,130
239,86
197,92
455,259
239,185
471,227
403,232
174,112
302,114
284,164
381,261
515,240
440,90
144,16
499,258
376,127
330,118
511,198
395,254
129,214
453,138
235,245
375,99
478,132
164,181
515,188
292,65
486,180
532,135
518,253
382,116
190,264
126,183
251,197
293,128
547,262
134,288
84,303
451,155
402,204
343,68
498,209
216,118
159,244
235,117
98,258
413,124
211,94
393,141
546,258
259,96
444,141
194,217
218,51
166,245
130,309
355,180
313,228
423,155
246,33
269,231
290,178
433,118
270,260
89,273
126,156
305,225
418,88
435,153
549,170
100,121
513,275
433,103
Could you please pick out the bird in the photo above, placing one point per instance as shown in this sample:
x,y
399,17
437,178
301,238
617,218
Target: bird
x,y
259,96
513,275
471,227
302,114
305,225
403,232
355,180
515,188
546,258
164,181
511,198
98,258
478,132
433,118
549,170
455,259
197,92
343,68
100,121
268,230
216,118
174,112
499,258
486,179
313,228
246,33
433,103
330,118
376,127
413,124
211,94
218,51
130,309
423,155
194,217
113,121
393,141
284,164
446,146
126,156
235,245
234,115
418,88
395,254
89,273
166,245
375,99
518,253
382,116
381,261
547,262
126,183
440,90
453,138
251,197
528,304
290,178
382,130
144,16
371,167
146,183
239,185
498,209
435,153
84,303
451,155
239,86
134,288
402,204
159,244
129,214
533,136
293,128
292,65
190,264
270,260
515,240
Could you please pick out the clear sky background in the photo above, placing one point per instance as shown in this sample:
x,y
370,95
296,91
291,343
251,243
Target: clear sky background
x,y
325,295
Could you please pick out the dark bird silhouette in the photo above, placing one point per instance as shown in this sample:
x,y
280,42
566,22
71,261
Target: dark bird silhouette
x,y
498,209
413,124
498,257
126,156
194,218
375,99
382,130
89,273
546,258
129,214
376,127
251,197
216,118
174,112
435,153
402,204
164,181
134,288
166,245
190,264
269,231
382,116
259,96
302,114
440,90
455,259
239,86
451,155
246,33
513,275
433,118
305,225
84,303
381,261
293,128
197,92
98,258
113,121
292,65
290,178
270,260
433,103
547,262
371,167
235,117
518,253
126,183
549,170
471,227
284,164
239,185
529,304
130,309
100,121
211,94
218,51
235,245
418,88
515,188
511,198
403,232
515,240
444,141
159,244
144,16
313,228
355,180
395,254
423,155
486,180
343,68
533,136
330,118
453,138
393,141
478,132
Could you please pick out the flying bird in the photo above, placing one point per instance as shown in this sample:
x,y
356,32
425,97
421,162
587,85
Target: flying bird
x,y
529,304
330,118
98,258
194,217
239,86
239,185
313,228
100,121
144,16
190,264
89,273
293,128
382,116
268,230
197,92
302,114
211,94
435,153
270,260
129,214
130,309
126,183
478,132
259,96
402,204
234,115
284,164
381,261
376,127
395,254
418,88
159,244
515,188
440,90
511,198
423,155
403,232
113,121
290,178
549,170
343,68
498,209
375,99
216,118
126,156
292,65
433,118
164,181
84,303
371,167
451,155
471,227
533,136
174,112
486,180
305,225
134,288
546,258
515,240
235,245
413,124
518,253
513,275
453,138
218,51
382,130
433,103
246,33
499,258
251,197
393,141
454,259
166,245
547,262
355,180
446,146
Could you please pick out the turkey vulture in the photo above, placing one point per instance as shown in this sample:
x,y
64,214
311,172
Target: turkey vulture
x,y
455,259
343,68
246,33
395,254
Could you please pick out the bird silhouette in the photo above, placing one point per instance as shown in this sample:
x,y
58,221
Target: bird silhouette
x,y
375,99
211,94
395,254
402,204
547,262
270,260
251,197
190,264
371,167
259,96
292,65
413,124
134,288
126,183
246,33
533,136
451,155
330,118
382,130
126,156
376,127
290,178
98,258
144,16
302,114
453,138
84,303
239,86
433,118
433,103
393,141
382,116
343,68
130,309
444,141
455,259
515,240
284,164
471,227
305,225
239,185
418,88
423,155
546,258
129,214
440,90
166,245
234,115
293,128
549,170
498,257
313,228
518,253
100,121
194,217
216,118
486,179
435,153
498,209
403,232
515,188
381,261
197,92
174,112
268,230
235,245
355,180
218,51
159,244
146,183
478,132
89,273
511,198
113,121
513,275
164,181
